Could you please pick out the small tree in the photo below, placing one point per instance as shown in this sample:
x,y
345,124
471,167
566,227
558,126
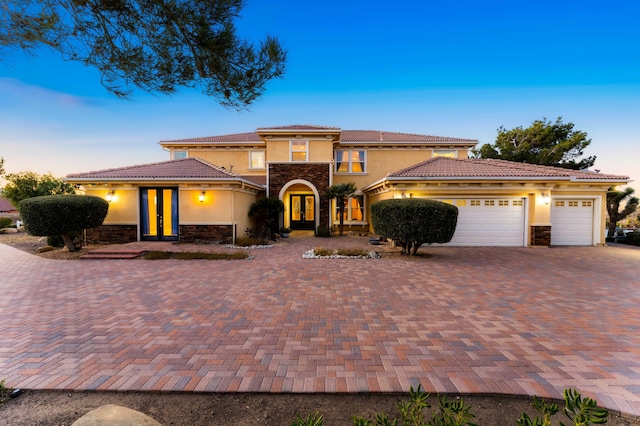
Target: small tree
x,y
267,212
25,185
158,46
64,215
614,199
412,222
544,142
340,192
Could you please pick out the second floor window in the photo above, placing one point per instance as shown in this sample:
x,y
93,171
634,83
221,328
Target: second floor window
x,y
178,155
299,150
350,161
256,159
449,153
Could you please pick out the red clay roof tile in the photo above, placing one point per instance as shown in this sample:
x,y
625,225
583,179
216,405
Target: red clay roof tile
x,y
353,136
443,167
176,169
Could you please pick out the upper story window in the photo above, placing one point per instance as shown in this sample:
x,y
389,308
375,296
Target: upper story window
x,y
299,150
350,161
256,159
450,153
178,155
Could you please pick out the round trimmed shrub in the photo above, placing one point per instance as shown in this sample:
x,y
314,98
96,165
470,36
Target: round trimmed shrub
x,y
64,215
412,222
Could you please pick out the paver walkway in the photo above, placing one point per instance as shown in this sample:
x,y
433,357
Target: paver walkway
x,y
490,320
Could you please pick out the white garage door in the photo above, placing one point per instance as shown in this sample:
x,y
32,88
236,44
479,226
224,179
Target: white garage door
x,y
571,222
489,222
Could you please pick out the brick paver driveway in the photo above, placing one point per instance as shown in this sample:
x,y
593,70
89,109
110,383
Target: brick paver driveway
x,y
491,320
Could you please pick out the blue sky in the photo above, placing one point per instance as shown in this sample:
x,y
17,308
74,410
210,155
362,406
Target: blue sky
x,y
455,68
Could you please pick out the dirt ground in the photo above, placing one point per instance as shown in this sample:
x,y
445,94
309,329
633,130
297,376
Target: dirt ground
x,y
35,408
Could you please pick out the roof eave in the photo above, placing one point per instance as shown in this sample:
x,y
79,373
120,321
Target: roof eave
x,y
167,179
469,144
184,143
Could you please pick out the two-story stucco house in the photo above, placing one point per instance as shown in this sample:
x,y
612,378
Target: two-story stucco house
x,y
205,190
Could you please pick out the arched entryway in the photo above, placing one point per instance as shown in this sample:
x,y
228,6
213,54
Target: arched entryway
x,y
301,200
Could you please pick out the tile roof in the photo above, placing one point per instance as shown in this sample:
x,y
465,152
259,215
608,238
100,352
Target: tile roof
x,y
444,167
6,206
351,136
300,127
236,137
194,168
379,136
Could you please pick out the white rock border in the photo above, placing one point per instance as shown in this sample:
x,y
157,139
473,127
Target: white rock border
x,y
310,254
254,247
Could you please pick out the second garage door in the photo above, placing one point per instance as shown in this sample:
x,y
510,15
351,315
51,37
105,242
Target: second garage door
x,y
572,222
489,222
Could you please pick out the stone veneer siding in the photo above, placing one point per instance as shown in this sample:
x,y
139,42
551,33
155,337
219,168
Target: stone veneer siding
x,y
317,174
112,234
206,233
540,235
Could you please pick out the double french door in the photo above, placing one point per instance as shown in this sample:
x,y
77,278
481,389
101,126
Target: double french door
x,y
159,214
303,211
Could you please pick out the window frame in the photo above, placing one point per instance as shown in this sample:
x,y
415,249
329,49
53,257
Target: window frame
x,y
173,154
349,210
292,152
264,159
349,161
437,153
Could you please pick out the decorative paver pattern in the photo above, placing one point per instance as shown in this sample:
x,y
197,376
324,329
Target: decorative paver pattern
x,y
469,320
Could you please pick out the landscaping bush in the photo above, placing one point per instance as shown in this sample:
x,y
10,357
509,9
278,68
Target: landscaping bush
x,y
632,238
323,231
55,241
412,222
65,215
266,212
5,222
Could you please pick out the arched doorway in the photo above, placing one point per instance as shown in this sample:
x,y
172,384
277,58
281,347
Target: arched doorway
x,y
300,199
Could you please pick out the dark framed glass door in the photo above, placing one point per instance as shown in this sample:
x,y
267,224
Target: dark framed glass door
x,y
303,211
159,214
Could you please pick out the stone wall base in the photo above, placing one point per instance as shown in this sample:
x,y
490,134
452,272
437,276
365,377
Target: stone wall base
x,y
112,234
541,235
206,234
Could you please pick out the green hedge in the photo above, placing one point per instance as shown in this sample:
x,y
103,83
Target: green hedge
x,y
414,221
5,222
62,214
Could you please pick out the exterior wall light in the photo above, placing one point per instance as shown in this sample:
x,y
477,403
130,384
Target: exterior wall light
x,y
546,198
201,196
111,195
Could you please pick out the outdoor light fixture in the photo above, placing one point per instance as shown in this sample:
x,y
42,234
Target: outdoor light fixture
x,y
201,196
111,195
546,198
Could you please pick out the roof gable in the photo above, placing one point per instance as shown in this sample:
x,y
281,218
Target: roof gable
x,y
187,168
443,167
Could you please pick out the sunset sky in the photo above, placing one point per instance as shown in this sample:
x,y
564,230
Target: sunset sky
x,y
446,68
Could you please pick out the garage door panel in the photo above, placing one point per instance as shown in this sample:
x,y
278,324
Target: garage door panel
x,y
572,222
489,222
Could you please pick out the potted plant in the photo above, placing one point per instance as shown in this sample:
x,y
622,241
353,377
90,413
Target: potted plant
x,y
284,232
